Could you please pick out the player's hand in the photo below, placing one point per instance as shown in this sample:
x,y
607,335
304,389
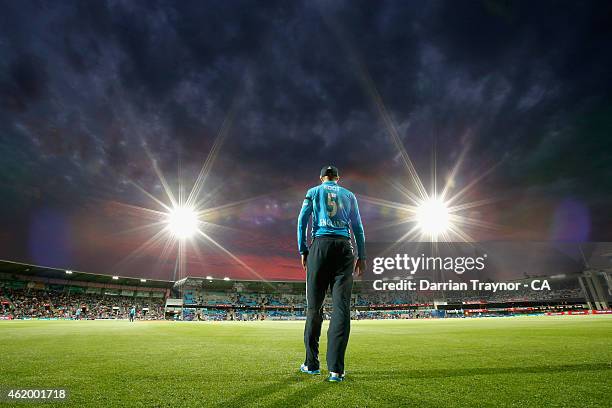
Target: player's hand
x,y
304,258
360,267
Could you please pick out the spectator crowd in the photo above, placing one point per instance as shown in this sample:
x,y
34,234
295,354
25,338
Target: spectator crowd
x,y
33,303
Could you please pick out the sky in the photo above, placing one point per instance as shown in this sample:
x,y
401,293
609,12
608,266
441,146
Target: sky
x,y
97,96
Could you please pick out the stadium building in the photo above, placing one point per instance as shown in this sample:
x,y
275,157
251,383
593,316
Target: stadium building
x,y
32,292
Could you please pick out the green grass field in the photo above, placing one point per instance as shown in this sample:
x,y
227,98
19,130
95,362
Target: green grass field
x,y
529,361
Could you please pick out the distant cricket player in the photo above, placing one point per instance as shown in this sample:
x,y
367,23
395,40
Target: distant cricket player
x,y
132,313
329,263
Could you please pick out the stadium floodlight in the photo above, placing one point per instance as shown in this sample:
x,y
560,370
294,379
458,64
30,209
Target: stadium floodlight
x,y
186,219
226,278
183,222
115,278
432,217
68,272
435,214
209,277
143,280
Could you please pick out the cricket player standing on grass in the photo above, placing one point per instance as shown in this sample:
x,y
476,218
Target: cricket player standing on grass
x,y
329,262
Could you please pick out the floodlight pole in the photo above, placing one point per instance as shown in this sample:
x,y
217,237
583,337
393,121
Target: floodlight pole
x,y
175,269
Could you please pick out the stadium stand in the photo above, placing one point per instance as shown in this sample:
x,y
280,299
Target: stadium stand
x,y
31,292
53,304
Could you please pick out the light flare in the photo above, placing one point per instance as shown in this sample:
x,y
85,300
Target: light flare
x,y
187,220
182,222
432,217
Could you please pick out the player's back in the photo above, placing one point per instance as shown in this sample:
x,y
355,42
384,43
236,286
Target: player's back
x,y
332,209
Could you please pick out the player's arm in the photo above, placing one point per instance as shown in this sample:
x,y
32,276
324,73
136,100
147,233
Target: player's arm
x,y
302,225
359,233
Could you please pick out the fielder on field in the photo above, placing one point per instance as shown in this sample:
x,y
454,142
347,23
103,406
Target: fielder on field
x,y
329,263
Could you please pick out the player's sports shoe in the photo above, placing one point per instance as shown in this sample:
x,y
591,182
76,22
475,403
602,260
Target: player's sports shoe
x,y
304,369
335,377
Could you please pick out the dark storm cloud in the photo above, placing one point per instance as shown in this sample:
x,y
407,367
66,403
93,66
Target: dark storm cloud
x,y
85,86
551,62
26,83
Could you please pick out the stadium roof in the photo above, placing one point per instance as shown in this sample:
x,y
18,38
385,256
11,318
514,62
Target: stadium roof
x,y
10,267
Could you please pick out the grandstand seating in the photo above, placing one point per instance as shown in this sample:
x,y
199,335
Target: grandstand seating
x,y
64,303
22,298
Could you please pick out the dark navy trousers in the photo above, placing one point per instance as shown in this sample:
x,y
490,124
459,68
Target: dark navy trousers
x,y
330,264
